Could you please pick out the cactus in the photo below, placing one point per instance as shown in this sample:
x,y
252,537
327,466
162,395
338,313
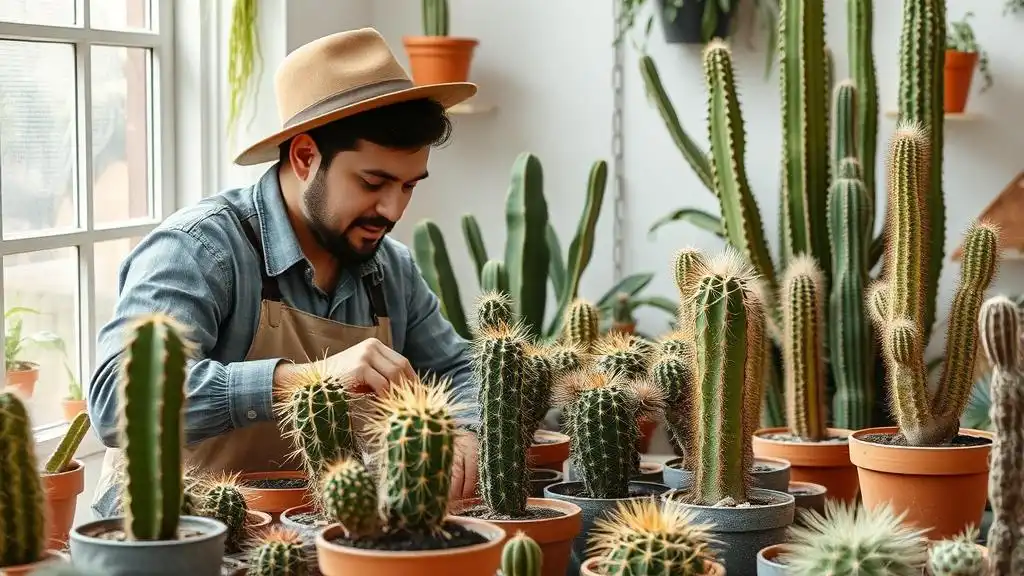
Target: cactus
x,y
672,371
581,327
348,496
278,553
897,309
222,498
151,429
860,31
619,353
475,242
999,323
492,310
803,311
853,540
844,143
315,410
958,556
602,413
547,364
435,17
61,457
850,345
526,249
521,556
645,537
436,269
22,511
494,277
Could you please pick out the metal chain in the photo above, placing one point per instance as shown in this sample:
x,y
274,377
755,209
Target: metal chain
x,y
618,165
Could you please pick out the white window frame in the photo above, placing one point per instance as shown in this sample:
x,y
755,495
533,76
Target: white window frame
x,y
182,170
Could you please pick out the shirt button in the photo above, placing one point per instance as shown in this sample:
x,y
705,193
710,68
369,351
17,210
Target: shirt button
x,y
251,414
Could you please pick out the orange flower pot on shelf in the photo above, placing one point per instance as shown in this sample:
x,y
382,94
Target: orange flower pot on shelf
x,y
824,463
439,59
959,74
549,450
62,490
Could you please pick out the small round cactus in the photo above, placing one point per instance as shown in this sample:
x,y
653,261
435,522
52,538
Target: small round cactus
x,y
957,557
622,354
223,499
521,556
278,553
348,495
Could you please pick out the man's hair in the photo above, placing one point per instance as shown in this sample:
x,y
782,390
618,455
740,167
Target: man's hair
x,y
409,125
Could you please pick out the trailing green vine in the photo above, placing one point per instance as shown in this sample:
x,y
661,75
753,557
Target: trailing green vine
x,y
243,53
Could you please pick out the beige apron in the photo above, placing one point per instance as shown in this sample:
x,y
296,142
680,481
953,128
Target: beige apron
x,y
283,332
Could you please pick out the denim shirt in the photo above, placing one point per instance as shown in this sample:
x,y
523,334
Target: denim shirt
x,y
198,267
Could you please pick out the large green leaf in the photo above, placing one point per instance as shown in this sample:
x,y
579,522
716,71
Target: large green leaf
x,y
699,218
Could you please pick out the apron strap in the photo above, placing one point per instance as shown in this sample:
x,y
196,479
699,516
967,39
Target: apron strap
x,y
375,293
271,289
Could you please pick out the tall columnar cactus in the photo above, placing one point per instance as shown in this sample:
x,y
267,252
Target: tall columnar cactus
x,y
492,310
494,277
278,552
1000,339
521,556
648,537
581,328
896,305
22,512
729,341
618,353
61,457
850,345
844,143
317,418
435,17
152,403
922,60
526,248
348,496
958,556
860,32
803,311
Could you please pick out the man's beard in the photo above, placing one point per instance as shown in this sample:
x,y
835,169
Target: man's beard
x,y
337,243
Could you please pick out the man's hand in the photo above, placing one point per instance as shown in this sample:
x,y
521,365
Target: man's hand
x,y
464,470
370,364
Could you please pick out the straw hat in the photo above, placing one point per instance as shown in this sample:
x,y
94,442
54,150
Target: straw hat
x,y
337,76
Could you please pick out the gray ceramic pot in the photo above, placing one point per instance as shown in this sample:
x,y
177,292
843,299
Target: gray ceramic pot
x,y
196,556
594,508
774,477
808,495
541,478
741,532
649,472
766,564
307,532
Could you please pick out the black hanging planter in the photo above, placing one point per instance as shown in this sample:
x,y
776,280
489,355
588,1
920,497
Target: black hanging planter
x,y
689,21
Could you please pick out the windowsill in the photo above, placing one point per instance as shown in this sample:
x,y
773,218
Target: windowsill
x,y
49,437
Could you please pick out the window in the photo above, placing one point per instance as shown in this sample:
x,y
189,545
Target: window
x,y
86,151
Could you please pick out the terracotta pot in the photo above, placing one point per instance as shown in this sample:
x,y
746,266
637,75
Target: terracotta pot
x,y
476,560
541,478
768,563
71,408
307,533
24,381
439,59
827,464
808,495
552,453
941,488
256,523
554,535
959,72
274,500
62,490
50,557
624,327
647,427
590,568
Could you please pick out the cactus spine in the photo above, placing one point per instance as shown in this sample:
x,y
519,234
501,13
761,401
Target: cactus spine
x,y
348,495
319,424
521,556
803,311
61,457
22,512
435,17
896,307
618,353
581,328
860,30
493,309
152,402
1000,339
278,553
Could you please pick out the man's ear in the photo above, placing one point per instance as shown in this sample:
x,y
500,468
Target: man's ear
x,y
304,157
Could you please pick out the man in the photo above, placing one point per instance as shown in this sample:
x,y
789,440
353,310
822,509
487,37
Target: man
x,y
298,266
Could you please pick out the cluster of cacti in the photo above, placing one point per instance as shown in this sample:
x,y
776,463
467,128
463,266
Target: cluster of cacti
x,y
803,326
854,540
278,552
521,556
61,457
532,253
898,307
621,354
435,17
22,512
647,537
958,556
349,496
1000,339
151,428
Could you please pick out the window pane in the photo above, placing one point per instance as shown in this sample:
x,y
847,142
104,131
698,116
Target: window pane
x,y
44,286
120,134
52,12
37,137
119,14
109,256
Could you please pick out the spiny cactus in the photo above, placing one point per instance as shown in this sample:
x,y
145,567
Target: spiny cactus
x,y
860,33
548,364
435,17
61,457
492,310
1000,339
521,556
278,553
672,371
221,497
348,495
151,428
844,144
601,417
22,516
315,410
581,327
803,319
899,313
643,537
958,556
618,353
851,540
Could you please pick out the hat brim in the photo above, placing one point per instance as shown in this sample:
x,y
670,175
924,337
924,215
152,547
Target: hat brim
x,y
447,94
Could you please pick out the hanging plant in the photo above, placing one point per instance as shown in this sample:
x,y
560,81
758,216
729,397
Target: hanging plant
x,y
243,53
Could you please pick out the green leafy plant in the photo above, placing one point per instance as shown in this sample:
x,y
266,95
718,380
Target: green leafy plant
x,y
16,341
243,56
960,37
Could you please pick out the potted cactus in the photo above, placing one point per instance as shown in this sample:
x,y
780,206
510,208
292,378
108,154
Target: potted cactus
x,y
435,57
959,556
63,480
23,545
522,556
398,524
277,552
152,532
928,459
224,498
648,537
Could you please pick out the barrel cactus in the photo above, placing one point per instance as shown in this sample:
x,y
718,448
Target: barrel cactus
x,y
221,497
348,496
278,553
623,354
958,556
521,556
22,512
